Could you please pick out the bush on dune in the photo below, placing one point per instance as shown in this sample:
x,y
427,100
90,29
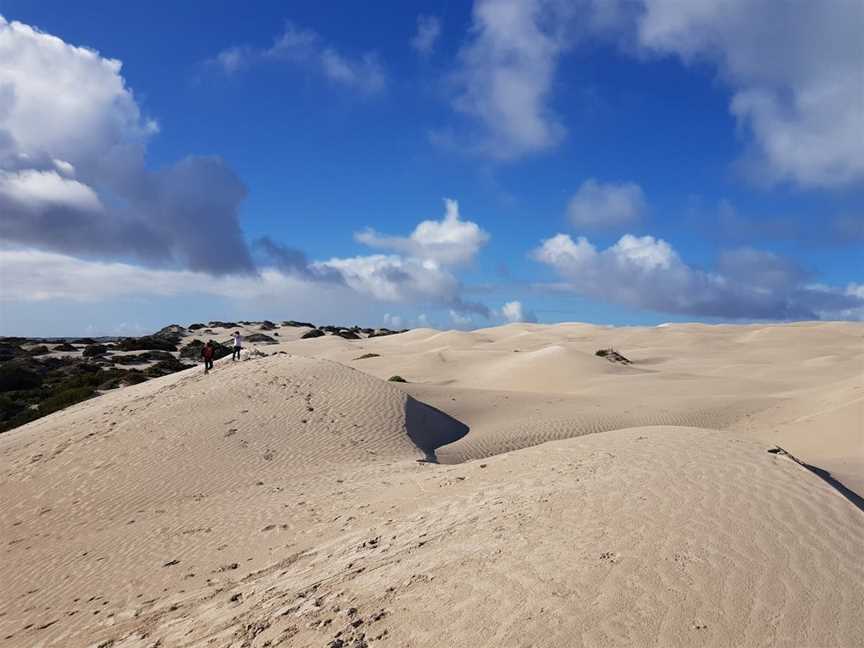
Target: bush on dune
x,y
17,378
192,350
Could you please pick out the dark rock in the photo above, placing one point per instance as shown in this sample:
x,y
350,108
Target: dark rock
x,y
348,335
267,325
314,333
197,327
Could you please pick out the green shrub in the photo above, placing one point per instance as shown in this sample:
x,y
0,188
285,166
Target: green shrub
x,y
163,342
193,350
397,379
134,378
65,399
93,350
16,378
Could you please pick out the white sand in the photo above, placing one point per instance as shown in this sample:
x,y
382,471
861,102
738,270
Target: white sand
x,y
577,511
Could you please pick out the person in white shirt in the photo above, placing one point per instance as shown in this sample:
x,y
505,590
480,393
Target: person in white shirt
x,y
238,344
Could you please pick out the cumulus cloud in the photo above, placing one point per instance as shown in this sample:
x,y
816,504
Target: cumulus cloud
x,y
599,205
514,312
795,71
72,174
505,76
418,271
647,273
393,277
428,31
306,47
450,241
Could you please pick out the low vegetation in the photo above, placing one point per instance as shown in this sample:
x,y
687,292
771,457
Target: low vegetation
x,y
612,355
30,389
369,355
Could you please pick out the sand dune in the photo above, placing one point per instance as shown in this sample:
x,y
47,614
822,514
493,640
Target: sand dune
x,y
288,500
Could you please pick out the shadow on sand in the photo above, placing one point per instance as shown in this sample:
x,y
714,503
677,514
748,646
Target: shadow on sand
x,y
826,476
430,428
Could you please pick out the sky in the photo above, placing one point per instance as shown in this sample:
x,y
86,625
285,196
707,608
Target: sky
x,y
447,164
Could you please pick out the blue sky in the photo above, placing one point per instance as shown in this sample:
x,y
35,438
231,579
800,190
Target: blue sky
x,y
714,165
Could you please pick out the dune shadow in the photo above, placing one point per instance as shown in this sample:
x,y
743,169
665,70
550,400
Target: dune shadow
x,y
827,477
430,428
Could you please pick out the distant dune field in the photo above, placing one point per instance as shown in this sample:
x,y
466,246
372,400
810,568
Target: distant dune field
x,y
517,490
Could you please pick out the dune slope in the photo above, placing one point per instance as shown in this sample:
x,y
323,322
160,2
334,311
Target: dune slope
x,y
97,498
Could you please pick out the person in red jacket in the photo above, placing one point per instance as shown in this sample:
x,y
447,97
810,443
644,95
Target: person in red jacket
x,y
207,352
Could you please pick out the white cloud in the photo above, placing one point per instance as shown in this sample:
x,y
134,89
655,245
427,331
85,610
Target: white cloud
x,y
796,71
34,275
505,77
450,241
460,320
647,273
514,312
599,205
234,59
301,46
62,99
393,321
72,176
428,31
35,190
394,278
